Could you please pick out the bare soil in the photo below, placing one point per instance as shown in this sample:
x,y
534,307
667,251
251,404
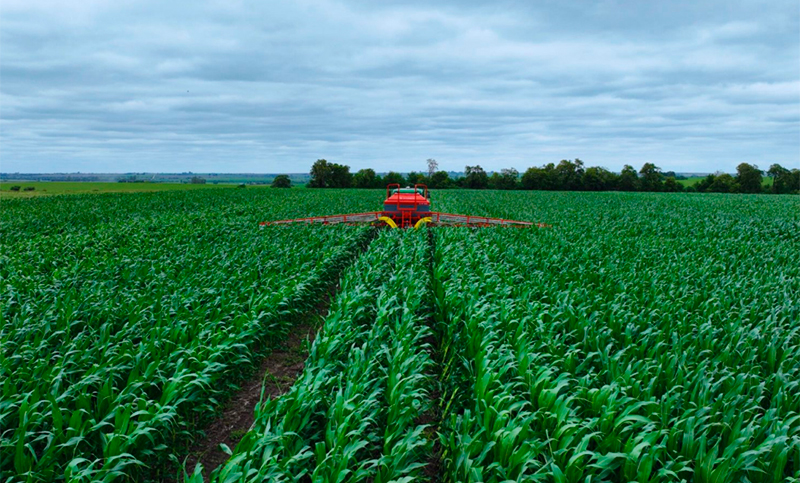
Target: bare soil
x,y
276,374
433,416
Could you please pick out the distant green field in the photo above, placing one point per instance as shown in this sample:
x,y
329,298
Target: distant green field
x,y
42,188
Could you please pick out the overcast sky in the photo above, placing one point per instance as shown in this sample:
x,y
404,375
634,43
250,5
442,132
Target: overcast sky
x,y
227,86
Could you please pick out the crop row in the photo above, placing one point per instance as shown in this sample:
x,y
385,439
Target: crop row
x,y
652,342
215,208
119,338
620,359
356,412
645,337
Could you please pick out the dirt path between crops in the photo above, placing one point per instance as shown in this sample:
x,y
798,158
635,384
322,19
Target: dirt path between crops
x,y
276,374
433,416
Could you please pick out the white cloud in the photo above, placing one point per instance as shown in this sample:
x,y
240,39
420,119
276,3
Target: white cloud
x,y
238,86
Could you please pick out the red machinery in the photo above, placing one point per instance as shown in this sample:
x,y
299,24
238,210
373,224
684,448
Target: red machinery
x,y
406,207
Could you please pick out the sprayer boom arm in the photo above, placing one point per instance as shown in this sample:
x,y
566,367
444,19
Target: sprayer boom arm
x,y
405,208
378,218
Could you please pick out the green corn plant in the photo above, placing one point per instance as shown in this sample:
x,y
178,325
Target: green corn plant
x,y
129,321
352,414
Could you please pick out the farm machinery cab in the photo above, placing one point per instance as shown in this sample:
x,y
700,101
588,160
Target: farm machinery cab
x,y
405,208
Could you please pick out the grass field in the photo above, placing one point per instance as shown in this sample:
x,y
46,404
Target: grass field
x,y
44,188
644,337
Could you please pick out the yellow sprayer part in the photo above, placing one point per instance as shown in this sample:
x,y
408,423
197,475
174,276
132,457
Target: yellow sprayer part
x,y
388,221
422,221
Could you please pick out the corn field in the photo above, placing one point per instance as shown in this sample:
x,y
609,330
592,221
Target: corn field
x,y
644,337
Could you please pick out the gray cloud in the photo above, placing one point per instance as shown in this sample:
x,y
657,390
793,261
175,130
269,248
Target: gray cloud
x,y
232,86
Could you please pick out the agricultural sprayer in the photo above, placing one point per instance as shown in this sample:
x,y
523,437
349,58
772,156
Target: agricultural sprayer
x,y
405,208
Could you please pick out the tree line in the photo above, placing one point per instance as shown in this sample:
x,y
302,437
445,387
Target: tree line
x,y
567,175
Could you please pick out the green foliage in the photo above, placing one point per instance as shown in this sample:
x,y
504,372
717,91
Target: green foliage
x,y
506,179
366,178
539,178
569,174
628,179
598,179
339,176
392,177
650,178
355,409
330,175
127,319
671,185
748,177
566,176
645,338
475,178
724,183
440,180
796,181
414,178
282,181
705,183
784,181
320,174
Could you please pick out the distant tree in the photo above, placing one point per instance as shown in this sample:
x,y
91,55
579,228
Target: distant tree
x,y
597,179
705,183
494,181
15,188
551,177
392,177
433,167
365,178
795,181
569,175
628,179
476,178
440,180
544,178
282,181
592,181
724,183
748,177
320,173
533,179
650,178
782,179
340,176
671,185
198,180
29,188
414,178
612,183
506,179
330,175
667,174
